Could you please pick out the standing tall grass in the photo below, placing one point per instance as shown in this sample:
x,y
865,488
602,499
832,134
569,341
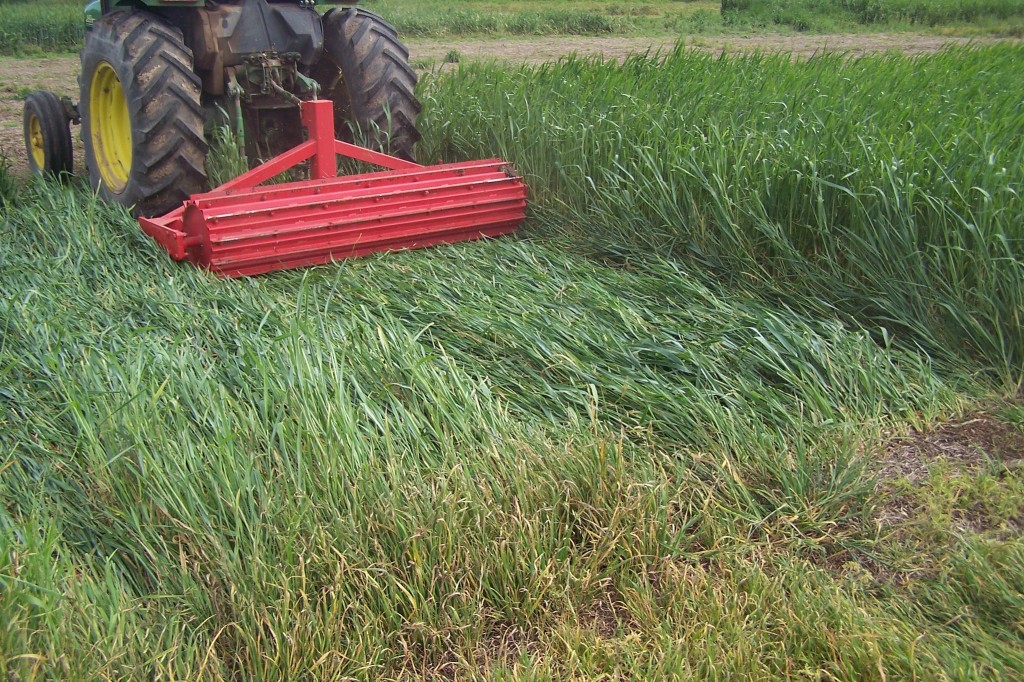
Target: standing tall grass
x,y
934,12
47,25
829,14
453,21
886,188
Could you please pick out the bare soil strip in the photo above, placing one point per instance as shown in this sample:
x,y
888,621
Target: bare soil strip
x,y
965,444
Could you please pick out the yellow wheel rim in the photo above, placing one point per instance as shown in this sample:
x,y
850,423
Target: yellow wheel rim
x,y
111,128
35,141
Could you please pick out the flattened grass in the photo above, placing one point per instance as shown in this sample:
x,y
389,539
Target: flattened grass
x,y
368,466
590,450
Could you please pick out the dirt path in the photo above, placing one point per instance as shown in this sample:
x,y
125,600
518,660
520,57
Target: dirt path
x,y
59,74
538,50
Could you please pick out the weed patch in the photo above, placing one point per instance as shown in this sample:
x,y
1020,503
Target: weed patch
x,y
969,443
963,476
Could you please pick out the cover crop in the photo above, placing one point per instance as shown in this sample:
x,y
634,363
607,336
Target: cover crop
x,y
885,188
638,442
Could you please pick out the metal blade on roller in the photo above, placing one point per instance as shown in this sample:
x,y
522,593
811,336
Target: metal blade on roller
x,y
253,231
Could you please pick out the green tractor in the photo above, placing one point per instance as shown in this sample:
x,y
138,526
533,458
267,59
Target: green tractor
x,y
158,75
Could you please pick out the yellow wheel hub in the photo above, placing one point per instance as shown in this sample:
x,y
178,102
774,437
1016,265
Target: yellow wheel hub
x,y
110,128
35,141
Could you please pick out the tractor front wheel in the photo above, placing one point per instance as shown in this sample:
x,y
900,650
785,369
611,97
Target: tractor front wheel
x,y
142,121
47,134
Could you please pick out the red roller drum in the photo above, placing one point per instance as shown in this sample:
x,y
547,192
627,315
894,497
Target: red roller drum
x,y
242,228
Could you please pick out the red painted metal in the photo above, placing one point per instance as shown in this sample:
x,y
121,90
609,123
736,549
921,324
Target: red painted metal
x,y
242,228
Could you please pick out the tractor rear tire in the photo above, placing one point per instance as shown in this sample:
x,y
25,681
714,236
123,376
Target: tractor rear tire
x,y
374,98
47,135
142,121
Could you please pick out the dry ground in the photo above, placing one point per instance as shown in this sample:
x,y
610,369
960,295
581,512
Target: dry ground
x,y
17,78
963,447
59,74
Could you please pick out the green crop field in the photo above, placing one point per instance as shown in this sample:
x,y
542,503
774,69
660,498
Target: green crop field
x,y
42,26
742,401
998,16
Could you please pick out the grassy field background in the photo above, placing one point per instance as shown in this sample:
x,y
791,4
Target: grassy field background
x,y
742,401
42,26
998,16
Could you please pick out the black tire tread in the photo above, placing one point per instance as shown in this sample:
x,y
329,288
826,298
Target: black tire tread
x,y
58,154
164,94
376,94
